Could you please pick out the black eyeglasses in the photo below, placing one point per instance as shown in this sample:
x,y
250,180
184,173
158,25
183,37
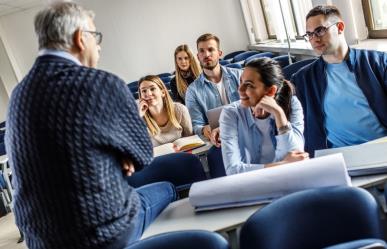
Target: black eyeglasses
x,y
318,32
97,35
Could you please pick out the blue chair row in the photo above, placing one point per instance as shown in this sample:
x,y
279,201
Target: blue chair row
x,y
283,60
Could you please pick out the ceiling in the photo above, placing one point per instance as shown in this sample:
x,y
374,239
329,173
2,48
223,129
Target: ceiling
x,y
12,6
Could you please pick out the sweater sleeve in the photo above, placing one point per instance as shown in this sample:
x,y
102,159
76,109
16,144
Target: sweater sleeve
x,y
185,119
117,125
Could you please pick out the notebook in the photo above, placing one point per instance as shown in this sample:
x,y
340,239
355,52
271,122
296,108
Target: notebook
x,y
179,145
363,159
213,116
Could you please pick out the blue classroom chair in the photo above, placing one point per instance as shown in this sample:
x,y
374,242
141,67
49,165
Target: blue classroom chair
x,y
314,218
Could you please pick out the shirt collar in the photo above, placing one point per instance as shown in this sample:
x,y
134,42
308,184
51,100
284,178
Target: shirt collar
x,y
59,53
205,80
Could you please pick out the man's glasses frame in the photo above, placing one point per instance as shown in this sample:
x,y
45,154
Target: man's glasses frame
x,y
97,35
318,32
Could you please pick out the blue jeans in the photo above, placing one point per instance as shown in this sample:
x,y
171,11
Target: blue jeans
x,y
155,197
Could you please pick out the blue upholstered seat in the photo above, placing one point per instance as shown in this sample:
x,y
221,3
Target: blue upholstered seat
x,y
289,70
232,54
260,55
283,60
243,56
189,239
314,218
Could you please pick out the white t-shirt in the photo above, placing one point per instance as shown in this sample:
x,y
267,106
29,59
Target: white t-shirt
x,y
222,92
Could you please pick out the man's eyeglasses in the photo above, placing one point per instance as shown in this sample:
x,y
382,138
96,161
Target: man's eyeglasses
x,y
97,35
318,32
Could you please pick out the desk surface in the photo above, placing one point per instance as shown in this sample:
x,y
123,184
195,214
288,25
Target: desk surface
x,y
180,215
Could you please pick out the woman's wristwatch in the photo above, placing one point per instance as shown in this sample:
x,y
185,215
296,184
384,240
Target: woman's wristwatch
x,y
284,129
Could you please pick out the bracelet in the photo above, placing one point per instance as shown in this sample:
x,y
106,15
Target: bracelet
x,y
284,129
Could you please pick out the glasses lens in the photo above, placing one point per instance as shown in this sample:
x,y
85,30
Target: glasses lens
x,y
320,31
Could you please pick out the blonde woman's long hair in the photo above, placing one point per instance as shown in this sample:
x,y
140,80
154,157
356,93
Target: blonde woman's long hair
x,y
194,67
152,125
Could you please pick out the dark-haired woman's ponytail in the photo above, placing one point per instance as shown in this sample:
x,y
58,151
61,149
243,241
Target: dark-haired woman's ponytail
x,y
284,96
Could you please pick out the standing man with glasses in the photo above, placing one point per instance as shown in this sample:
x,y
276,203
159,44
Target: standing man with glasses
x,y
73,135
344,92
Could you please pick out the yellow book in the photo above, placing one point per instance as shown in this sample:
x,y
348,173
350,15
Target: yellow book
x,y
179,145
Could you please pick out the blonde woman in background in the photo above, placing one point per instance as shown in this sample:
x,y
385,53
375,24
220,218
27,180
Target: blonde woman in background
x,y
165,119
187,69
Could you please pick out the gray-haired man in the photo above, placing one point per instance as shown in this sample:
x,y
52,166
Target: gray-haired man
x,y
73,133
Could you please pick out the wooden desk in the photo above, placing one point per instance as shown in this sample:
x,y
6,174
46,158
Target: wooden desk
x,y
180,215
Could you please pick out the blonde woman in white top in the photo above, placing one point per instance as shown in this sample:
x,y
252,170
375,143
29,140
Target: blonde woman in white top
x,y
166,120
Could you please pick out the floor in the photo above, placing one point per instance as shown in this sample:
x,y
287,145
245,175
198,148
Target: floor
x,y
9,233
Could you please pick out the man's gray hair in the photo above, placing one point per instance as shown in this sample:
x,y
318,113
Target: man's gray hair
x,y
55,25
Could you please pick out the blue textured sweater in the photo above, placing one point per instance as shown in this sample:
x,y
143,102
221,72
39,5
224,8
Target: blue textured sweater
x,y
68,128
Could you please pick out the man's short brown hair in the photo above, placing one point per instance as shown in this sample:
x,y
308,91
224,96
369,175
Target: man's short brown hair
x,y
326,10
207,37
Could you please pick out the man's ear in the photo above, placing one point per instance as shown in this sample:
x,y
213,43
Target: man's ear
x,y
220,53
340,27
271,91
78,40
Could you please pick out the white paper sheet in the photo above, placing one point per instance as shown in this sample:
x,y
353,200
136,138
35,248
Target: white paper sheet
x,y
267,184
366,156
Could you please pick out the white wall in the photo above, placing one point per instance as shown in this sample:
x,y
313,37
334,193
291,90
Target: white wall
x,y
139,35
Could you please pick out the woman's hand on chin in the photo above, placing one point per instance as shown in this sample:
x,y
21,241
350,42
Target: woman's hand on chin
x,y
143,107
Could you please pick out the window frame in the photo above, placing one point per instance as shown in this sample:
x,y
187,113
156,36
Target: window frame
x,y
368,15
294,21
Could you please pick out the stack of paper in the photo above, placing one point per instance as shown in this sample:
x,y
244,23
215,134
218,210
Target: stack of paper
x,y
363,159
262,186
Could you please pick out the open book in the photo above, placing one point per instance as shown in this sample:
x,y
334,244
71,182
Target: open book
x,y
265,185
179,145
363,159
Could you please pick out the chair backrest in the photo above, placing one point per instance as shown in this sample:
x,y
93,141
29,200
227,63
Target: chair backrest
x,y
232,54
164,75
234,65
224,62
215,162
260,55
289,70
181,169
243,56
360,244
189,239
314,218
283,60
133,87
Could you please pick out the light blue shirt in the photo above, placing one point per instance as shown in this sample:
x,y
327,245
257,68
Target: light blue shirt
x,y
202,96
242,140
349,120
59,53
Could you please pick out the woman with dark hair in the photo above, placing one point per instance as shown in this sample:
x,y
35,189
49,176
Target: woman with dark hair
x,y
265,128
187,69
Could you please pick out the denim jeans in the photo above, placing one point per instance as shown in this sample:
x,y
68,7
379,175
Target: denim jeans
x,y
154,198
